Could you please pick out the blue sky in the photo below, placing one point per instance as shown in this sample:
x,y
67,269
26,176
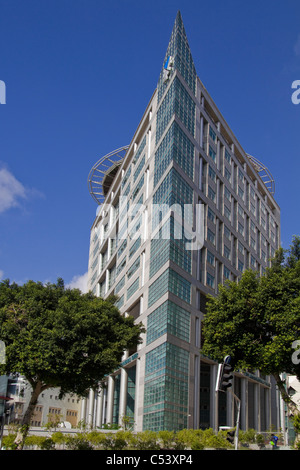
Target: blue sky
x,y
78,77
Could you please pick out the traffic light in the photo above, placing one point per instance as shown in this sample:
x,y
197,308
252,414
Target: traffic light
x,y
226,374
230,436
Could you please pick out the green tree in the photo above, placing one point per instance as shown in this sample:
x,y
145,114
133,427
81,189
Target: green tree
x,y
58,337
257,321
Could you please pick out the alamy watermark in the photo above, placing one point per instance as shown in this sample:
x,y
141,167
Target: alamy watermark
x,y
296,94
154,221
2,92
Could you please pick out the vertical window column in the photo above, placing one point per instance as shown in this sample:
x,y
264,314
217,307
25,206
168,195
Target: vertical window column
x,y
219,162
111,216
233,218
147,184
200,172
233,251
204,264
232,168
141,305
198,329
138,389
145,226
218,201
109,245
149,143
106,281
199,259
218,240
214,415
196,401
201,132
217,275
257,411
143,268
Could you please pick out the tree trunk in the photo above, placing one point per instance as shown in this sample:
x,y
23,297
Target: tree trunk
x,y
291,405
23,431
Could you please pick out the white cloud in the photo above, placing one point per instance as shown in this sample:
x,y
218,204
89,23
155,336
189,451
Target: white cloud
x,y
11,190
1,274
79,282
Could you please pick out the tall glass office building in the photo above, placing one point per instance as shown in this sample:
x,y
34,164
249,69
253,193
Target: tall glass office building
x,y
181,209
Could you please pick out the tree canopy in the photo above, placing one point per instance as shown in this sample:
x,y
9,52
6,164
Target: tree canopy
x,y
58,337
257,320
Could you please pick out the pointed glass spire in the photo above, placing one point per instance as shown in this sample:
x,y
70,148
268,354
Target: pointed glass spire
x,y
178,57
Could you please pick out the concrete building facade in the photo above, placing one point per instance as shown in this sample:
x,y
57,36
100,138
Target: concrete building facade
x,y
50,408
182,208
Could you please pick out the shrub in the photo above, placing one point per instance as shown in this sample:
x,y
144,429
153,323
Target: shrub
x,y
146,440
78,442
197,443
58,438
9,441
119,443
183,439
198,439
167,439
195,439
42,442
126,437
219,442
47,444
115,441
259,439
107,441
34,441
247,437
97,439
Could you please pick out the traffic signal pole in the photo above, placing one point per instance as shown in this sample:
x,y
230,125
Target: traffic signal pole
x,y
237,426
217,397
3,413
224,382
